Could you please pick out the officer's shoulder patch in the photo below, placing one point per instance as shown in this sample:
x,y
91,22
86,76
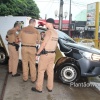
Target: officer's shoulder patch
x,y
28,32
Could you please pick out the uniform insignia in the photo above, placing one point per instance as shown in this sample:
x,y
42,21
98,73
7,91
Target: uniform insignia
x,y
28,32
54,39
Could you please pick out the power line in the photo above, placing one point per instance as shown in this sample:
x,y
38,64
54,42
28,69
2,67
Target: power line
x,y
66,2
49,8
46,5
78,3
50,3
58,1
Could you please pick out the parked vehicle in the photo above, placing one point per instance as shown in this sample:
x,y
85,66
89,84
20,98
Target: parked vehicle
x,y
87,42
74,60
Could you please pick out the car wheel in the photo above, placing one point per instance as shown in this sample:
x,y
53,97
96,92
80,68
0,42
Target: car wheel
x,y
3,57
69,73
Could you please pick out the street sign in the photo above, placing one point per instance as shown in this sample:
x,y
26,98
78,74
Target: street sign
x,y
91,14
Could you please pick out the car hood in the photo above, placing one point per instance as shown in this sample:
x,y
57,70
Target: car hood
x,y
83,48
70,43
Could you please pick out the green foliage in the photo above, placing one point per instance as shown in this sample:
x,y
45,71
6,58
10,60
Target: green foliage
x,y
4,1
19,8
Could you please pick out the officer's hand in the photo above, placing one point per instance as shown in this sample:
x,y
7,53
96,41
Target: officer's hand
x,y
37,57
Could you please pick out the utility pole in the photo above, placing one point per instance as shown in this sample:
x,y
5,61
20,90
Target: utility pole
x,y
61,14
97,24
45,16
70,18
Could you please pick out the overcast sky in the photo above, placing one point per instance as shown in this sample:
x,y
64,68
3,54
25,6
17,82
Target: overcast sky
x,y
49,6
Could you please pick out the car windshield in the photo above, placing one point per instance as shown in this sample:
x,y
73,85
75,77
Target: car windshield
x,y
62,36
65,37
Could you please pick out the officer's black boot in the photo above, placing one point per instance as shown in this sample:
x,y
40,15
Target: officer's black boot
x,y
17,74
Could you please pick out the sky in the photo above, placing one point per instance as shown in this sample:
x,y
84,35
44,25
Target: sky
x,y
48,7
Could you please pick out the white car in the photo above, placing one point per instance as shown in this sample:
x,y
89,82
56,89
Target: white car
x,y
87,42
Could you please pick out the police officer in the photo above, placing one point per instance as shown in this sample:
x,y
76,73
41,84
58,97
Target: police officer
x,y
46,62
11,37
29,37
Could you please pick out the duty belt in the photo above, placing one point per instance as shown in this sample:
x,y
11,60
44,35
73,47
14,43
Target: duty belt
x,y
27,46
46,52
13,44
50,51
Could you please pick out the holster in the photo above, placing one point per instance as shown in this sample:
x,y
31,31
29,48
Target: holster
x,y
43,51
16,46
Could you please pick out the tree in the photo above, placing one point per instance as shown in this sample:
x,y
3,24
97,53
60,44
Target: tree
x,y
4,1
19,8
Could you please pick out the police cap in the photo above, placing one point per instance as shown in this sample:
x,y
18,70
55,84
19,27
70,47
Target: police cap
x,y
50,20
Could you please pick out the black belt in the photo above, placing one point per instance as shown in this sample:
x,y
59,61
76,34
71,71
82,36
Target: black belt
x,y
46,52
28,46
50,51
11,44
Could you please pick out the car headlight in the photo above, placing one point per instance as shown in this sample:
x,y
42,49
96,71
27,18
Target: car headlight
x,y
90,56
95,57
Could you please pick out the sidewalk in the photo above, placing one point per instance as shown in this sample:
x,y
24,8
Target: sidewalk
x,y
16,89
96,82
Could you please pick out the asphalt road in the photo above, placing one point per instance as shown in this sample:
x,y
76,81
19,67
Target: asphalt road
x,y
16,89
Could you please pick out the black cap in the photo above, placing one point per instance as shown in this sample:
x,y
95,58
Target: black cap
x,y
50,20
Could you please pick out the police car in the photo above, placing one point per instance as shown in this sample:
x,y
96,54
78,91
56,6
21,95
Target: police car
x,y
74,60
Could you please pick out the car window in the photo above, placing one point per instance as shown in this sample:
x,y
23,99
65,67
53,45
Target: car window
x,y
63,36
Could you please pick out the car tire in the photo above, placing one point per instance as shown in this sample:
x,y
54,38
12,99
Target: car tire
x,y
3,57
68,73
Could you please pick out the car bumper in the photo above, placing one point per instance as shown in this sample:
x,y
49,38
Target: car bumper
x,y
89,68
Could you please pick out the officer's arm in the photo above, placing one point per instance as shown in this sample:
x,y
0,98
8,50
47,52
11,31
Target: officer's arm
x,y
38,38
47,37
17,40
19,37
16,37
